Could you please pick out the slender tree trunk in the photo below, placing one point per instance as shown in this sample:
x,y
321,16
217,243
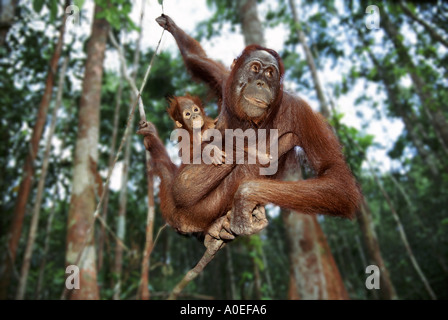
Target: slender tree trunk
x,y
121,218
149,243
266,271
253,246
431,30
82,204
231,273
387,289
371,241
432,240
406,244
324,108
412,125
43,263
373,249
40,189
431,107
143,292
28,171
39,295
110,164
257,281
143,289
121,223
361,252
7,14
403,236
250,23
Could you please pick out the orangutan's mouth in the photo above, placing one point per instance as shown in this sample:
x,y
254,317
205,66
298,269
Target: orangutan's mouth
x,y
257,102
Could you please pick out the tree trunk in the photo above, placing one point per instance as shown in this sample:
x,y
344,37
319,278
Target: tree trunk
x,y
313,270
143,289
82,204
28,171
412,209
40,188
324,108
431,107
307,281
335,286
43,263
257,281
368,232
266,271
149,243
361,252
250,23
412,125
7,14
387,289
231,273
403,236
110,164
431,30
314,274
121,223
121,218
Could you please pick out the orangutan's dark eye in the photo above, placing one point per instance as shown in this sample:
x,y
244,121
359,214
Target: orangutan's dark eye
x,y
255,68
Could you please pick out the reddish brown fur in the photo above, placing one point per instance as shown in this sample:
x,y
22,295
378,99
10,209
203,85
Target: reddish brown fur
x,y
203,193
175,112
177,217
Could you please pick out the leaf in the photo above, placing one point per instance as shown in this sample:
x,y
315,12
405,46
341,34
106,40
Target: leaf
x,y
38,5
161,2
53,10
80,3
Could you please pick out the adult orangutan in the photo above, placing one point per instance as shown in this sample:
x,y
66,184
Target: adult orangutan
x,y
188,114
251,96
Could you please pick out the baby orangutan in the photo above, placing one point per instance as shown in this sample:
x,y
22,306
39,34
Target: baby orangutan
x,y
188,113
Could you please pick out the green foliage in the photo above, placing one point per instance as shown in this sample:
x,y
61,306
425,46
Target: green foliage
x,y
51,5
355,143
225,12
116,12
38,5
256,246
